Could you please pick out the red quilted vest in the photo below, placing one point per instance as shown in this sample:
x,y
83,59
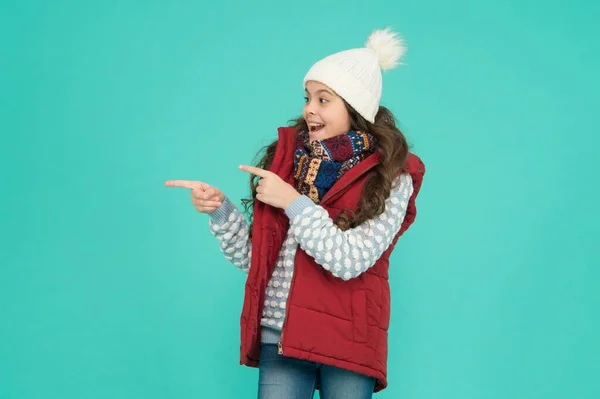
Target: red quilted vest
x,y
328,320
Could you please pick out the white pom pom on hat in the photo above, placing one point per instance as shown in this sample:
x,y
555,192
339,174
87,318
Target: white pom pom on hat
x,y
355,74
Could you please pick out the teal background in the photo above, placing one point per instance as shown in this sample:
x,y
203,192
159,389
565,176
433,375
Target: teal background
x,y
111,285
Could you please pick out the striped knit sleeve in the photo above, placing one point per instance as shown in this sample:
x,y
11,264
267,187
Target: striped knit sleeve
x,y
347,254
229,226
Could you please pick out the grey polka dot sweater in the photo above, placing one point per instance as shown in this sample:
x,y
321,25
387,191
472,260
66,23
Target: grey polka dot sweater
x,y
346,254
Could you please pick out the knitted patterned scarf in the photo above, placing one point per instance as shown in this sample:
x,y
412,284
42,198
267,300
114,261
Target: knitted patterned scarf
x,y
318,164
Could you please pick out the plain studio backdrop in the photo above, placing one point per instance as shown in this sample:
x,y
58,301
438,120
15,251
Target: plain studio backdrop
x,y
111,285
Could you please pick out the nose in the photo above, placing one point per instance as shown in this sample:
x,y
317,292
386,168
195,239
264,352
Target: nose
x,y
310,108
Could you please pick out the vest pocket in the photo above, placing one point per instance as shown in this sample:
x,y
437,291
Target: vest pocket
x,y
359,316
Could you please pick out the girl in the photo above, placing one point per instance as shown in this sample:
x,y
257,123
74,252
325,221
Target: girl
x,y
330,198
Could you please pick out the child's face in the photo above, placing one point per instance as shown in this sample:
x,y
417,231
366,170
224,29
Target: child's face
x,y
324,112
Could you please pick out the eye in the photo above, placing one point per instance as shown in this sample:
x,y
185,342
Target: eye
x,y
305,99
323,100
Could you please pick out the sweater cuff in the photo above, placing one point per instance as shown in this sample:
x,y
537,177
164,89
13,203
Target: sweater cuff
x,y
221,215
297,206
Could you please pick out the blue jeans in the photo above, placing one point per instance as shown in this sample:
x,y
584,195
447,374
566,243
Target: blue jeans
x,y
288,378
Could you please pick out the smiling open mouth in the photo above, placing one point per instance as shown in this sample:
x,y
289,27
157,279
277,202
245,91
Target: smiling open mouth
x,y
316,127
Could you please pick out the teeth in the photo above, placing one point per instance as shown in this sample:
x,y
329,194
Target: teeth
x,y
314,126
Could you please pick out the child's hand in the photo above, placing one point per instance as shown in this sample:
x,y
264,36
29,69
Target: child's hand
x,y
271,189
206,199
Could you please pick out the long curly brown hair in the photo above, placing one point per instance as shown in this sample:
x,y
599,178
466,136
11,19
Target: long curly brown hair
x,y
391,145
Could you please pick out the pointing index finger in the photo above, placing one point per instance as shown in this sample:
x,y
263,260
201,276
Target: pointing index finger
x,y
255,171
193,185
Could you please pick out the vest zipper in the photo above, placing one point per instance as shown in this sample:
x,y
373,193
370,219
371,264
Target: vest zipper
x,y
279,345
328,195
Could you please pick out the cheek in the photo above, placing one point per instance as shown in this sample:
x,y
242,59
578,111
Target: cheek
x,y
347,124
343,121
342,116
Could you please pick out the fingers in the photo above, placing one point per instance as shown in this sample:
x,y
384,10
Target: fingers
x,y
204,196
207,204
200,195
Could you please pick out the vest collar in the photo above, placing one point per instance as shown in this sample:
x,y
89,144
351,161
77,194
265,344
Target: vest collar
x,y
287,139
351,176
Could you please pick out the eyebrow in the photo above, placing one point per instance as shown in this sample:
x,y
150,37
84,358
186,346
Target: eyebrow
x,y
320,91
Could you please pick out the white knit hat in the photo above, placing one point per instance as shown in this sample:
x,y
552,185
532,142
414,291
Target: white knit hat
x,y
355,75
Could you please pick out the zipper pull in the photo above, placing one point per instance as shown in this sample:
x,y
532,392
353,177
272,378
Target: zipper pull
x,y
279,348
